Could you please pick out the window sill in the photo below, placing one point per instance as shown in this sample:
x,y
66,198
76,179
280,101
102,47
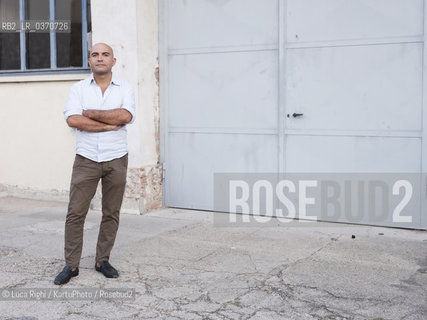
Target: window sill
x,y
44,76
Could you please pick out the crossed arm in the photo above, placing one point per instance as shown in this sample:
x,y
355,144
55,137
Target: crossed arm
x,y
100,120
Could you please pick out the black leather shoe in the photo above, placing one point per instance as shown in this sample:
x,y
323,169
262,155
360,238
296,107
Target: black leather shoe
x,y
107,269
65,275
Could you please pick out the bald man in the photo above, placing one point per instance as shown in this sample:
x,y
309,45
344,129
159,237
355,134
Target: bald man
x,y
99,108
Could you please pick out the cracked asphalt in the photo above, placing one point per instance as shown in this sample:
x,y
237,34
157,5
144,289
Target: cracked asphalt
x,y
183,266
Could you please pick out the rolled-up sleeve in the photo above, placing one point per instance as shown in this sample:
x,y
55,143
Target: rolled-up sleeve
x,y
129,102
73,105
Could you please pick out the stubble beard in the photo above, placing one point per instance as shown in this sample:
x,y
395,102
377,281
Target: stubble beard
x,y
101,72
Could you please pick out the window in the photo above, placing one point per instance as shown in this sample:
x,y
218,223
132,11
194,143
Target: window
x,y
27,45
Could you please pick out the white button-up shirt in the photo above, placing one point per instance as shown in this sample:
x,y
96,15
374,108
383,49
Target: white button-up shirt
x,y
86,94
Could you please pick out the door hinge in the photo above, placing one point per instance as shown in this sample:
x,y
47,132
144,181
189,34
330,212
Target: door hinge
x,y
163,171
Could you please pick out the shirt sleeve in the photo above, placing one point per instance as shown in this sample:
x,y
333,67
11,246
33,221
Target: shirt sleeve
x,y
129,102
73,105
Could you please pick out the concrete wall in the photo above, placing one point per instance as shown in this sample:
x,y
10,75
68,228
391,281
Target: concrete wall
x,y
38,147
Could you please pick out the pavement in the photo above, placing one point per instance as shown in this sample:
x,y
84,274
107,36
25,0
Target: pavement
x,y
180,264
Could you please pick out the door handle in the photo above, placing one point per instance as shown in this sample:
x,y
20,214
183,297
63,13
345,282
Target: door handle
x,y
295,115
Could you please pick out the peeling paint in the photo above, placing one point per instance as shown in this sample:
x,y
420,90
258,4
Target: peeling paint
x,y
143,191
145,186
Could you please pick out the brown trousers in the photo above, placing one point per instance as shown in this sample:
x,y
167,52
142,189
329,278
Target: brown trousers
x,y
84,181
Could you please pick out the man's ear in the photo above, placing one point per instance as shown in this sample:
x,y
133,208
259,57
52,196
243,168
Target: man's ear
x,y
114,61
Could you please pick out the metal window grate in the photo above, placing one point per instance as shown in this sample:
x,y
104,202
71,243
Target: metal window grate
x,y
53,43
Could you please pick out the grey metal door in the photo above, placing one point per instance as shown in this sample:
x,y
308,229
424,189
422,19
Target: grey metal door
x,y
232,70
222,94
354,69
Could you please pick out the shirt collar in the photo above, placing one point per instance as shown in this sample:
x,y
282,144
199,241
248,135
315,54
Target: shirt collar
x,y
114,80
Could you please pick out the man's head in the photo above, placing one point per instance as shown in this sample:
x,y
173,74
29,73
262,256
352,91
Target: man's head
x,y
101,59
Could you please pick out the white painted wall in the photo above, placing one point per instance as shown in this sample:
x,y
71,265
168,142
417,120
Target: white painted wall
x,y
36,144
130,27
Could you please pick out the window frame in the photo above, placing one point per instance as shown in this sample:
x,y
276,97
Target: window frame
x,y
53,69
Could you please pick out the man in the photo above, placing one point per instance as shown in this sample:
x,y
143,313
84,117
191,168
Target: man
x,y
99,108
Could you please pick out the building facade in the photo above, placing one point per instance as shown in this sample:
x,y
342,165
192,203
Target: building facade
x,y
235,86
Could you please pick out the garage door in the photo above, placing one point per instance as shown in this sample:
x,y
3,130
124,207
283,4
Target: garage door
x,y
297,86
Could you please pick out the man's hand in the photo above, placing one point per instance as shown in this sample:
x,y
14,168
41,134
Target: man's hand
x,y
114,127
118,116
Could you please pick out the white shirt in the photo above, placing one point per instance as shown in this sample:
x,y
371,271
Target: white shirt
x,y
86,94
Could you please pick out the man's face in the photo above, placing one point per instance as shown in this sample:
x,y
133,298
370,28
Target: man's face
x,y
101,59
